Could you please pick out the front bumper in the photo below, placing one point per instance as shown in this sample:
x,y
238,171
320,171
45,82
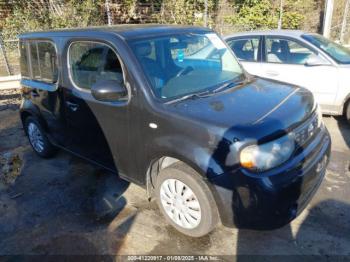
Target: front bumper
x,y
277,197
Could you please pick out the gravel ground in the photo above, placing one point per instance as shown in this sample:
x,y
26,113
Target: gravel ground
x,y
66,206
9,99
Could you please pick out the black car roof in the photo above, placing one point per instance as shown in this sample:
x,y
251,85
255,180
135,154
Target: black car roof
x,y
126,31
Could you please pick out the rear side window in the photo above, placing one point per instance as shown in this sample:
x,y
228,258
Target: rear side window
x,y
245,49
35,61
90,62
43,61
24,60
47,61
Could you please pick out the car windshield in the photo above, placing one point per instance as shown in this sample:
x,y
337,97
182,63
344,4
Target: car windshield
x,y
183,64
339,53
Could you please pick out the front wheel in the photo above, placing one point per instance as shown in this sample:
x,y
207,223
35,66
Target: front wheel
x,y
37,138
186,201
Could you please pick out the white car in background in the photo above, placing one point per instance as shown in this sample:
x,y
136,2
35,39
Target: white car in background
x,y
304,59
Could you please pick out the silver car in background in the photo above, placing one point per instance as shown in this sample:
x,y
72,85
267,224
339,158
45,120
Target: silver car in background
x,y
300,58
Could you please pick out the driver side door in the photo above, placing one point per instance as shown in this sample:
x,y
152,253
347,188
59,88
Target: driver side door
x,y
97,130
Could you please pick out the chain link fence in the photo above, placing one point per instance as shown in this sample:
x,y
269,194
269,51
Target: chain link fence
x,y
9,57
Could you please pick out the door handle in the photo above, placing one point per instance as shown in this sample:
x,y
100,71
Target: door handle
x,y
72,106
272,73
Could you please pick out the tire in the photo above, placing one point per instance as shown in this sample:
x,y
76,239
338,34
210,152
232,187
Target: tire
x,y
204,218
38,138
347,111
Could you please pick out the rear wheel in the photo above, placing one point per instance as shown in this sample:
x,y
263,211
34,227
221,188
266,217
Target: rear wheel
x,y
38,139
347,111
186,201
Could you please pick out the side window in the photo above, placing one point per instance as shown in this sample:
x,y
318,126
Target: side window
x,y
245,49
279,50
91,61
34,60
43,61
24,60
112,68
47,62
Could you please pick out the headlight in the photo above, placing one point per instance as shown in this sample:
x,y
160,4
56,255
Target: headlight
x,y
269,155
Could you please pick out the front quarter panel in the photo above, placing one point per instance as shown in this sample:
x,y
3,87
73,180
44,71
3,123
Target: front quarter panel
x,y
201,146
343,94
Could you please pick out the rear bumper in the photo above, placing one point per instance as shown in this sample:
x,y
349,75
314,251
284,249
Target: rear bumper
x,y
247,201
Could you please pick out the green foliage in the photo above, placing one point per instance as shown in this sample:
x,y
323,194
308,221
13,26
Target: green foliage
x,y
39,15
177,12
254,14
262,14
79,14
185,11
22,20
294,10
292,20
246,14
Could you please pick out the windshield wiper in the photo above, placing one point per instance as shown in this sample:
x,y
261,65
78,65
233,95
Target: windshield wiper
x,y
190,96
207,92
228,85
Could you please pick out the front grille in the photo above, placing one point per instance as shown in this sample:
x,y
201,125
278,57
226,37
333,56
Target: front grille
x,y
306,131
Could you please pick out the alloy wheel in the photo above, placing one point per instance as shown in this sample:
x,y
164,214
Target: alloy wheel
x,y
35,137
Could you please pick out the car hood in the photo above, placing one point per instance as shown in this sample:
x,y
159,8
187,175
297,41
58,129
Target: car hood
x,y
257,109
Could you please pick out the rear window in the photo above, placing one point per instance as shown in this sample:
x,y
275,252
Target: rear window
x,y
43,61
24,60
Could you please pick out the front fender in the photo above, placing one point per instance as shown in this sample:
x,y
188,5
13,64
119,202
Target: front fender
x,y
198,157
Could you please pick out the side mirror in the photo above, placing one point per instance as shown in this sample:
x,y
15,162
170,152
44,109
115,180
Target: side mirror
x,y
108,91
315,60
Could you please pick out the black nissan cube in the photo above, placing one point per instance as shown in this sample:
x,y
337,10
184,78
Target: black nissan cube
x,y
170,108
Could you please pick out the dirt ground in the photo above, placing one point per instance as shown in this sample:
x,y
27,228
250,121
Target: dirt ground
x,y
66,206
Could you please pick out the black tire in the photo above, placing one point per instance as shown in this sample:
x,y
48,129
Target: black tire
x,y
208,208
347,111
48,149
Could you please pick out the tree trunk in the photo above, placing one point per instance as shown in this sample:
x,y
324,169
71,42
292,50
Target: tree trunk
x,y
344,23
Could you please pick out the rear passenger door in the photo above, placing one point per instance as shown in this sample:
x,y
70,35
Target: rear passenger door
x,y
248,51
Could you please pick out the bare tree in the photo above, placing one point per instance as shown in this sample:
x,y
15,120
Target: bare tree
x,y
205,13
281,15
55,7
327,22
108,12
344,23
4,56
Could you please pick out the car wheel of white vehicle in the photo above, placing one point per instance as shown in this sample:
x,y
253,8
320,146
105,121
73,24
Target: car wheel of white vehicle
x,y
186,201
347,111
37,138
